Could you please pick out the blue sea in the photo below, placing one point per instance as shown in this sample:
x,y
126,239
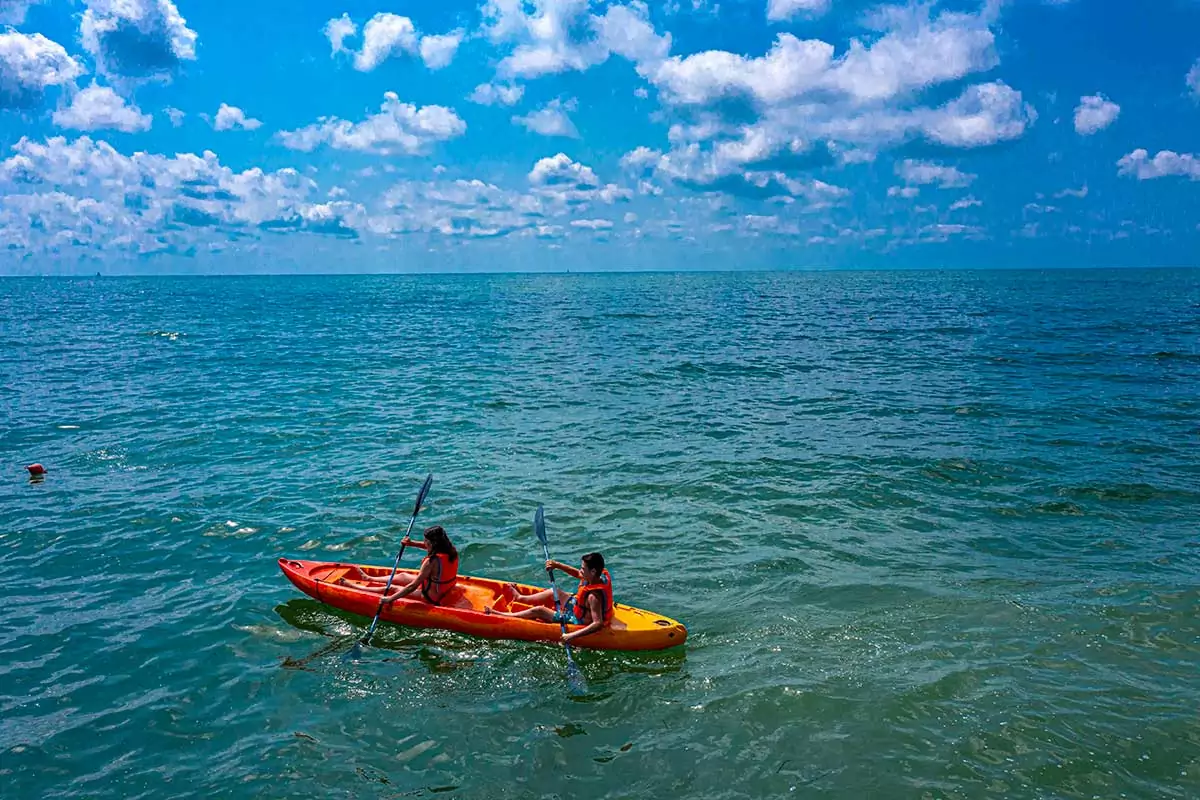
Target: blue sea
x,y
933,534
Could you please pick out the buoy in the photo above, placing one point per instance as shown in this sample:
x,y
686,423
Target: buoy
x,y
36,469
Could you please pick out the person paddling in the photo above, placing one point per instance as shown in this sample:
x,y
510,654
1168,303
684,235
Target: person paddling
x,y
590,606
437,576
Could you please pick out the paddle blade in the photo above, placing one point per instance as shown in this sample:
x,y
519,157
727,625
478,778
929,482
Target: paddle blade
x,y
421,495
353,653
539,526
576,683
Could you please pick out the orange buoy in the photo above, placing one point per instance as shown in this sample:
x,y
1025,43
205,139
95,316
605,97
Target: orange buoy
x,y
36,469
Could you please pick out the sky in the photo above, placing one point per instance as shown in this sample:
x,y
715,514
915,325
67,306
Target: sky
x,y
152,136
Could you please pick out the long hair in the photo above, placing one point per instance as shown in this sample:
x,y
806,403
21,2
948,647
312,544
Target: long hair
x,y
439,542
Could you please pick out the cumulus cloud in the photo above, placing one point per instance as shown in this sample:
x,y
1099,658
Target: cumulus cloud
x,y
907,192
175,115
337,31
1193,79
560,170
568,183
487,94
915,56
90,195
99,107
983,115
231,117
922,173
779,10
561,36
740,119
29,64
397,128
387,35
1095,113
550,120
438,51
136,38
1166,163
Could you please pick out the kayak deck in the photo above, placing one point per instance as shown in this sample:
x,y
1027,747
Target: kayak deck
x,y
337,584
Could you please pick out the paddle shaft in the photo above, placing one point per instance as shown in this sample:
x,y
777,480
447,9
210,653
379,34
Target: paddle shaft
x,y
392,577
403,543
554,592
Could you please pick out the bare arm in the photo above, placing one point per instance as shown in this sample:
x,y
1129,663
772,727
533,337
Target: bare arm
x,y
407,542
558,565
597,612
422,577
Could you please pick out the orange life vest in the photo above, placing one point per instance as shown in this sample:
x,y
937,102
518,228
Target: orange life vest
x,y
604,587
441,578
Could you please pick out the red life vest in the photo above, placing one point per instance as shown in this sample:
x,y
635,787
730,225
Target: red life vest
x,y
604,587
441,578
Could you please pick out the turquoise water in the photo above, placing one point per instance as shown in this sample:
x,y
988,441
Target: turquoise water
x,y
934,534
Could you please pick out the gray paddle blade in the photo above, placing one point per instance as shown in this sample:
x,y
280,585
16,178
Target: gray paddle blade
x,y
576,683
539,526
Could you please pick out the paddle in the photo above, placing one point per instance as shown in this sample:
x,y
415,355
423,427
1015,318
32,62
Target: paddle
x,y
575,680
357,649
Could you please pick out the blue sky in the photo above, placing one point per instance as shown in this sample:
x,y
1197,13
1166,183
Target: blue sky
x,y
143,136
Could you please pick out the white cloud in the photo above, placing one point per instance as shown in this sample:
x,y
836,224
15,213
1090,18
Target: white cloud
x,y
1095,113
385,35
175,115
592,224
907,192
12,12
566,183
98,107
397,128
983,115
967,202
1138,164
1078,193
560,35
913,57
438,51
487,94
923,173
29,63
1193,79
550,120
85,193
626,31
560,170
136,38
231,117
801,105
779,10
337,31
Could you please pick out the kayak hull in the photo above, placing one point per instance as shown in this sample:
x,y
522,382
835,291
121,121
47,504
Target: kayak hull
x,y
339,585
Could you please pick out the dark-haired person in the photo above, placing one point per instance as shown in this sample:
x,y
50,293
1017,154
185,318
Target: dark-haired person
x,y
590,606
439,570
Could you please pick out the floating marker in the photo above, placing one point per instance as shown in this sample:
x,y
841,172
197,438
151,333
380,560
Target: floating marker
x,y
36,469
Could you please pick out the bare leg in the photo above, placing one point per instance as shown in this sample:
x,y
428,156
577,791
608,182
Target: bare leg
x,y
400,582
537,612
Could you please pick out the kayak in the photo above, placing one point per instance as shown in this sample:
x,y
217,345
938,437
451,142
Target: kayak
x,y
462,609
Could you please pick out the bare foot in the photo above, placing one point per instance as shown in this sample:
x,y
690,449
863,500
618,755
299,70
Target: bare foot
x,y
487,609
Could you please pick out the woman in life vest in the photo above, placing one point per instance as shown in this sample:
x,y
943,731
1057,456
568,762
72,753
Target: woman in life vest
x,y
439,570
590,606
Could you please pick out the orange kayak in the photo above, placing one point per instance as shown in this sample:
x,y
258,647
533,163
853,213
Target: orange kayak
x,y
462,609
